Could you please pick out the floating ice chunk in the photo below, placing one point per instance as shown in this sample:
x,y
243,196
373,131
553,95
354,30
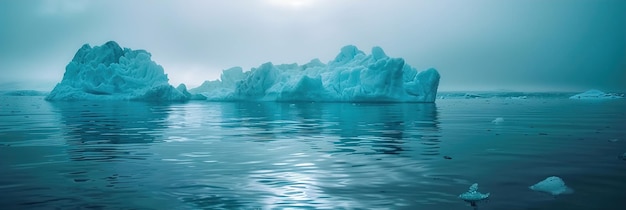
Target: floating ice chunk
x,y
517,97
595,94
553,185
351,76
469,95
498,120
110,72
472,195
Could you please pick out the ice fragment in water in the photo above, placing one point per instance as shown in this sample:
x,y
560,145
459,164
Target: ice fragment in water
x,y
472,195
595,94
498,120
553,185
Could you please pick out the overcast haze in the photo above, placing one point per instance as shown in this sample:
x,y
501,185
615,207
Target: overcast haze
x,y
476,45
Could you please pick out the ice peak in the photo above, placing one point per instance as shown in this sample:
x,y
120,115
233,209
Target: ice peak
x,y
378,53
112,44
106,54
347,53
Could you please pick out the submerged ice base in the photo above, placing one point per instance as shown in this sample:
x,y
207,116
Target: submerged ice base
x,y
109,72
351,76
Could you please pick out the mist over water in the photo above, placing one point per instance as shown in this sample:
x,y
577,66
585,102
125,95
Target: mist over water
x,y
571,45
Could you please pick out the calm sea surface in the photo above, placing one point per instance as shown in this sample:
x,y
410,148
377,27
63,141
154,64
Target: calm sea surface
x,y
208,155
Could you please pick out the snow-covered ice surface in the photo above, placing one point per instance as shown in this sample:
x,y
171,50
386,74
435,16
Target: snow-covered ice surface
x,y
553,185
351,76
595,94
109,72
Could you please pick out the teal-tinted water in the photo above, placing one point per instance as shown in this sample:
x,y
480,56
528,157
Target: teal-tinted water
x,y
204,155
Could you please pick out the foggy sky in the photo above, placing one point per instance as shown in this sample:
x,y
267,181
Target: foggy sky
x,y
475,45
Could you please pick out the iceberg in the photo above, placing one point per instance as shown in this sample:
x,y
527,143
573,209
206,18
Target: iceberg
x,y
472,195
553,185
470,96
109,72
595,94
223,88
351,76
498,120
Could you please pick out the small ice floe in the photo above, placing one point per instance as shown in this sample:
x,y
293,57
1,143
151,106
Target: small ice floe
x,y
498,120
553,185
517,97
613,140
595,94
472,195
469,95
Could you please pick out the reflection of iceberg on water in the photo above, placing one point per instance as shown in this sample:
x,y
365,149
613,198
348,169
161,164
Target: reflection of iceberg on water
x,y
553,185
95,130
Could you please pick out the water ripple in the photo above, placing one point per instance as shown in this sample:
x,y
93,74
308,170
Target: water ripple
x,y
202,155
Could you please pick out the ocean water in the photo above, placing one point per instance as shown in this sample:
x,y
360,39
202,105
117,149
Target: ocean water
x,y
209,155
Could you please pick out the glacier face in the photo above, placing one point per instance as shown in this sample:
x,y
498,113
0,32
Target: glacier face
x,y
351,76
109,72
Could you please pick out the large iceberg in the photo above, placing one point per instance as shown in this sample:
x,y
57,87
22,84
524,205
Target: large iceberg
x,y
351,76
595,94
109,72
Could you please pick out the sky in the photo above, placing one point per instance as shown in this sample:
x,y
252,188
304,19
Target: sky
x,y
523,45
